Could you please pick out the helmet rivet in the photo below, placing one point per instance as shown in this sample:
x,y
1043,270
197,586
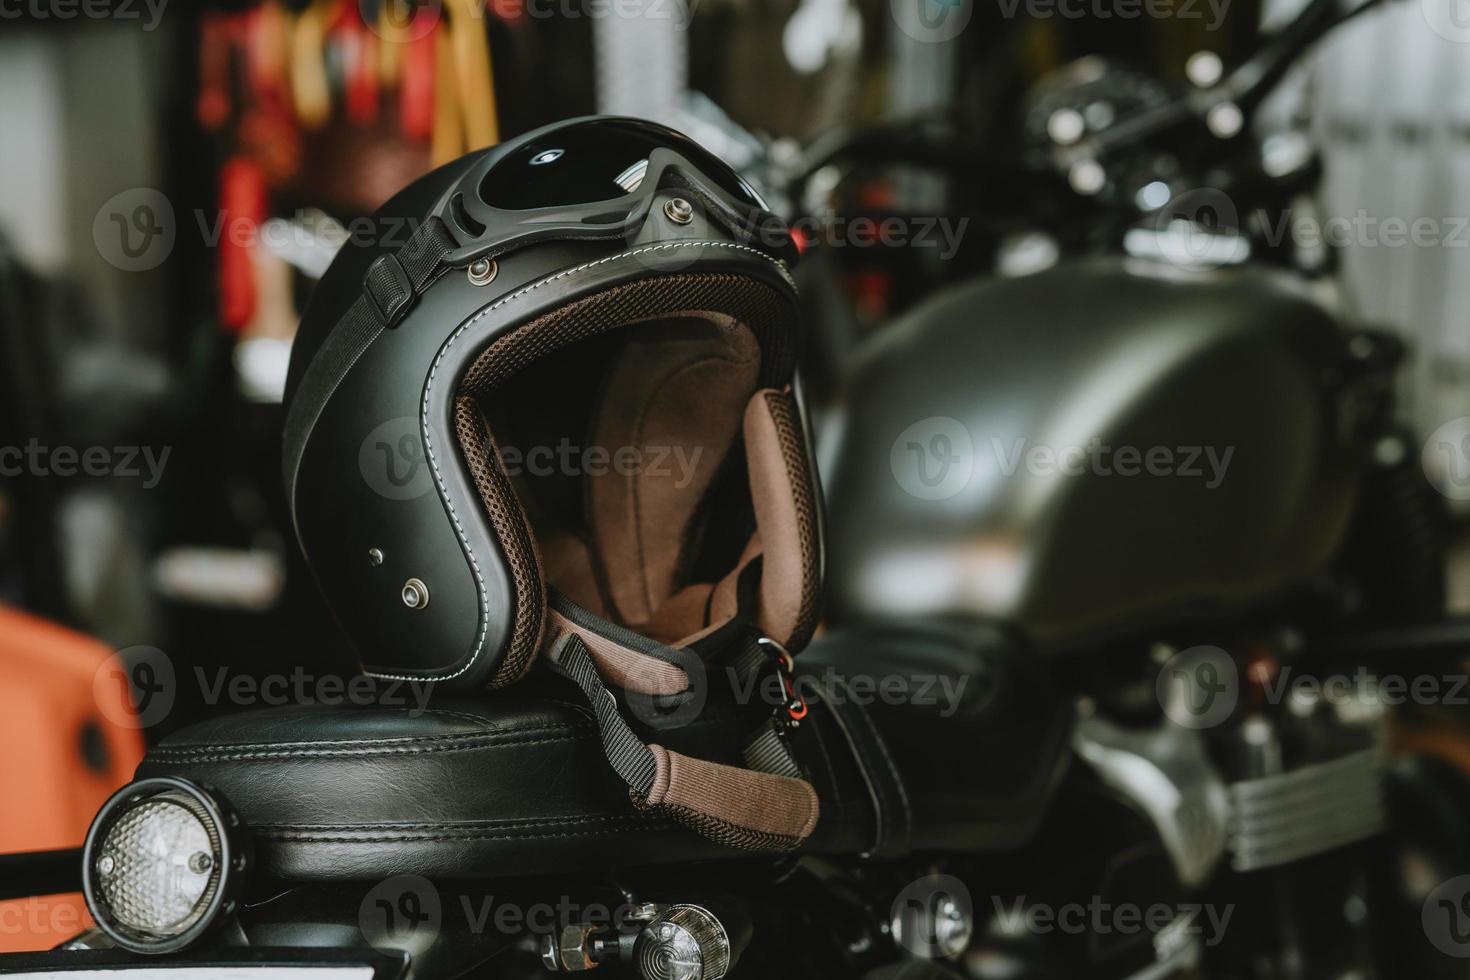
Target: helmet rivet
x,y
679,211
482,272
415,594
375,557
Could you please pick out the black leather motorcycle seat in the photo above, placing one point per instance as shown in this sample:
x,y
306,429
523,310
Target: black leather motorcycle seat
x,y
516,782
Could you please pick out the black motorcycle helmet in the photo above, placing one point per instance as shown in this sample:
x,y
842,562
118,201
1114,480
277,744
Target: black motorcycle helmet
x,y
550,390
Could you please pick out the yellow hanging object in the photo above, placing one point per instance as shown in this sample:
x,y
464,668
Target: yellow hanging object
x,y
310,90
447,142
270,44
476,80
393,33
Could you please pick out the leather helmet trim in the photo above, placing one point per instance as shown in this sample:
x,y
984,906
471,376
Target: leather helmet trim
x,y
769,314
757,306
783,490
478,544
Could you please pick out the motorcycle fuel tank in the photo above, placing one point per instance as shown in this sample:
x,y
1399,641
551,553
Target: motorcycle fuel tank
x,y
1091,450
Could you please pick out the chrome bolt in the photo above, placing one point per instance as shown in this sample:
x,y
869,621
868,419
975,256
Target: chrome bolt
x,y
375,557
679,211
482,272
107,865
1225,120
1204,69
570,951
415,594
1087,177
1066,126
644,912
1389,451
199,862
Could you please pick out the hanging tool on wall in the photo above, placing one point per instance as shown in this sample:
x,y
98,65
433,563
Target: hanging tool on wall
x,y
448,139
310,87
473,71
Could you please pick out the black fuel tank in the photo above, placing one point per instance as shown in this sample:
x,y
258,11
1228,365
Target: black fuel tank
x,y
1091,450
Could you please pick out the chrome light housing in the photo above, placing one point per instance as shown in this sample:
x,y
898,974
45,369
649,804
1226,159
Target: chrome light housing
x,y
685,942
162,865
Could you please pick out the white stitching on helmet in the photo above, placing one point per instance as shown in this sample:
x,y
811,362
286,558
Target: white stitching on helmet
x,y
429,442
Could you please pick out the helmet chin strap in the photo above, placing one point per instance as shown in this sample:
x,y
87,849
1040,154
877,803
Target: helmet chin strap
x,y
743,808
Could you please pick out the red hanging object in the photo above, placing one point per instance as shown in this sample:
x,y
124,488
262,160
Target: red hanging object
x,y
213,105
243,202
509,11
416,86
362,73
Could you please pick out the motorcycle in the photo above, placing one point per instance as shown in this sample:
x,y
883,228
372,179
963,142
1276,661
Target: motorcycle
x,y
1110,701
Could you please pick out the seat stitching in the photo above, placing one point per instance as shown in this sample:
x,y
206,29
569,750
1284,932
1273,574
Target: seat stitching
x,y
392,739
414,746
408,838
898,785
507,824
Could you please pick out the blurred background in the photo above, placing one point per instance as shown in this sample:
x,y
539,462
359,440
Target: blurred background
x,y
175,176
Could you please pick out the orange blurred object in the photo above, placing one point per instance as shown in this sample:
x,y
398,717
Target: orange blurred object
x,y
72,740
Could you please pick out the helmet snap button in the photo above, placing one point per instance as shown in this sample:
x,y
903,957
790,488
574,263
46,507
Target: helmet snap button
x,y
415,594
679,211
482,272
